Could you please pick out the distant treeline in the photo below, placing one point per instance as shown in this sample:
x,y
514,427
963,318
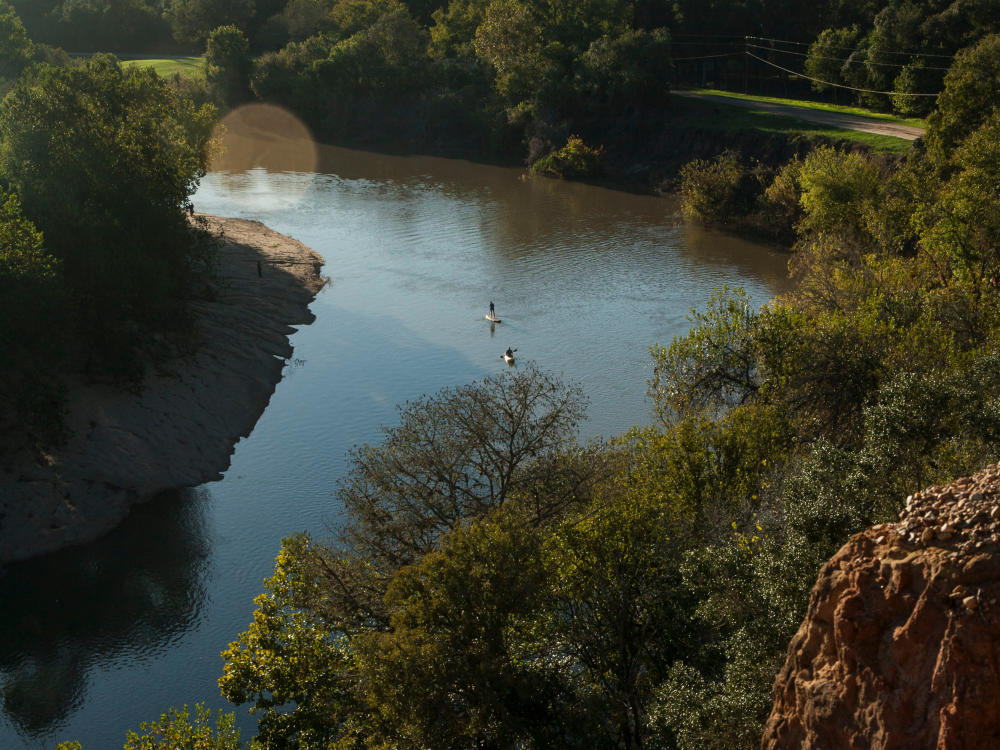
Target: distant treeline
x,y
516,78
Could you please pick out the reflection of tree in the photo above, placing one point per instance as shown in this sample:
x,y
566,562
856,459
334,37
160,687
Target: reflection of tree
x,y
135,589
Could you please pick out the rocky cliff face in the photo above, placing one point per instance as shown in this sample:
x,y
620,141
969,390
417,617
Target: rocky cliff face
x,y
900,647
180,430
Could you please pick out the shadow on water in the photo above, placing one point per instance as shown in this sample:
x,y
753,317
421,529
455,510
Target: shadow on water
x,y
79,608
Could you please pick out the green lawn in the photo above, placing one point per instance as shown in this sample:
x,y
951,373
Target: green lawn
x,y
697,113
825,106
167,66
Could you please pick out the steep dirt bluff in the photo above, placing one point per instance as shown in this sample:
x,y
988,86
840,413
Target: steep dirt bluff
x,y
180,430
900,647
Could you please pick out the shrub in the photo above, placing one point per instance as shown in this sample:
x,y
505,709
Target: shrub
x,y
573,161
718,190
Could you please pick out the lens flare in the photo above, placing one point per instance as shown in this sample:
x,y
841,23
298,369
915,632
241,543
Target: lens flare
x,y
257,139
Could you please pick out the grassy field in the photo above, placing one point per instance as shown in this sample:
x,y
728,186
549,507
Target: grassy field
x,y
697,113
167,66
823,106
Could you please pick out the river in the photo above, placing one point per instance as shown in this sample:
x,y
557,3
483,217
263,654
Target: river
x,y
96,639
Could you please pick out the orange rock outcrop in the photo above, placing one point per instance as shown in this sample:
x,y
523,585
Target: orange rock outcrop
x,y
900,648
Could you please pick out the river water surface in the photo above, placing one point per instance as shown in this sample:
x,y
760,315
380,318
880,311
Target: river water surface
x,y
96,639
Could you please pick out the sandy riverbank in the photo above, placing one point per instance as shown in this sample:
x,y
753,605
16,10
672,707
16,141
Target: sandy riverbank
x,y
181,430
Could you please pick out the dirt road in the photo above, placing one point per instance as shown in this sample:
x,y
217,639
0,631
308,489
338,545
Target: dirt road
x,y
835,119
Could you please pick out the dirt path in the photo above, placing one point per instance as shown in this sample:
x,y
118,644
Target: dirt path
x,y
822,117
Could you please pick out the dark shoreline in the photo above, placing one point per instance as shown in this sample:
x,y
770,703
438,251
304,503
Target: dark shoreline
x,y
180,431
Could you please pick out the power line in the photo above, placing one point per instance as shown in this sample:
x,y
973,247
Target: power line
x,y
852,49
706,57
836,85
837,59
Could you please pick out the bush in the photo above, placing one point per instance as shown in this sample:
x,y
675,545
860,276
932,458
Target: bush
x,y
716,191
575,160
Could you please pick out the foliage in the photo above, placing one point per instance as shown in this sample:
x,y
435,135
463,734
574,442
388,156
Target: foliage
x,y
574,160
455,28
837,189
971,95
455,669
381,57
107,183
961,230
825,54
630,70
781,202
193,20
462,455
31,326
227,64
176,731
96,25
290,664
16,49
712,190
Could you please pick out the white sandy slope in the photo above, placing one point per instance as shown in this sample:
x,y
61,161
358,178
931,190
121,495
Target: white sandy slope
x,y
181,429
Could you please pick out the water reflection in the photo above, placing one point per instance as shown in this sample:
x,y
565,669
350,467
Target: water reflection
x,y
135,590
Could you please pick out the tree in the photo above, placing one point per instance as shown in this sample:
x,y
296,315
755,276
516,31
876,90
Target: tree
x,y
193,20
961,230
458,455
16,49
971,95
227,64
631,70
291,664
107,182
465,454
823,61
176,731
32,330
837,188
455,28
458,666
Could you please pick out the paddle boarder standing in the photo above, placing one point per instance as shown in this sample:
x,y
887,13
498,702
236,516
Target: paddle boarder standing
x,y
492,315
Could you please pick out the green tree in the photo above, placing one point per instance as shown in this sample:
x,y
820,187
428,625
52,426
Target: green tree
x,y
630,70
107,182
455,28
228,64
176,731
837,190
712,191
462,455
291,664
16,49
458,666
961,230
824,59
971,95
193,20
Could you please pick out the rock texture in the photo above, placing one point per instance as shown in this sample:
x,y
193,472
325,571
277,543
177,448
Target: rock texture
x,y
900,647
180,430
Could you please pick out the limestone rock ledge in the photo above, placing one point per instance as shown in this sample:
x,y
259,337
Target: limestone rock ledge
x,y
181,429
900,647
